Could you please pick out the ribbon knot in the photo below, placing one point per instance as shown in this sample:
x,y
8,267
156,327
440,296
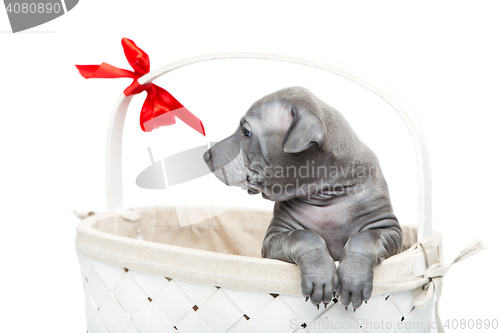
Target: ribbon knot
x,y
160,108
436,271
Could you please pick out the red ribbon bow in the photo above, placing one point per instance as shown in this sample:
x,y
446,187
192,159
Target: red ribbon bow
x,y
160,107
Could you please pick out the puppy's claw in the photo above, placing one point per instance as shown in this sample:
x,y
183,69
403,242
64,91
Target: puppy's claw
x,y
354,309
346,308
366,302
325,305
317,306
307,298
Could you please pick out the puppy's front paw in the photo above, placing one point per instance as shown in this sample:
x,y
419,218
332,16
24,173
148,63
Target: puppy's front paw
x,y
356,280
319,278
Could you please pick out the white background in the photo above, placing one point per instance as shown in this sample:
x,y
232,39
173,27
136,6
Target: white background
x,y
442,58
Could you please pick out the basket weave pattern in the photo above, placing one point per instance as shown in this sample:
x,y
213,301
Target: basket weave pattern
x,y
123,300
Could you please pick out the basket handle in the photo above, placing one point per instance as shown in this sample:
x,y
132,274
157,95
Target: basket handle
x,y
115,129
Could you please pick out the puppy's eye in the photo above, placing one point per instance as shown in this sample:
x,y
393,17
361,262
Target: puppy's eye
x,y
247,132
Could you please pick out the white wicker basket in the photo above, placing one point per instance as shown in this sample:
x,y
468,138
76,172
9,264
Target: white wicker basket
x,y
142,272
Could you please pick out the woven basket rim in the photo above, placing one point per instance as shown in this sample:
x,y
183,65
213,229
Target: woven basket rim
x,y
400,272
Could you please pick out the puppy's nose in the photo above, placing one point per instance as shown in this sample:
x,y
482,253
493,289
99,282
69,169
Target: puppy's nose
x,y
207,156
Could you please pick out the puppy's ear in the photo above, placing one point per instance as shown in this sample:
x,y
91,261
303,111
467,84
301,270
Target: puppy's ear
x,y
305,130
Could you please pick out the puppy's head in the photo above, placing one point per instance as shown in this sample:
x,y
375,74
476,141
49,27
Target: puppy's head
x,y
280,135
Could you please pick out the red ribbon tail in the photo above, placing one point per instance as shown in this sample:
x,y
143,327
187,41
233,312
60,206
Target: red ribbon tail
x,y
165,119
168,118
87,71
160,108
104,71
190,119
153,115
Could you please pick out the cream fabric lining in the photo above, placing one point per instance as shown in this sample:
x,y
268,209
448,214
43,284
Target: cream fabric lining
x,y
222,251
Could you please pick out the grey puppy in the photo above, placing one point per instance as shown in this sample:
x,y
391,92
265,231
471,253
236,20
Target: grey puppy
x,y
331,199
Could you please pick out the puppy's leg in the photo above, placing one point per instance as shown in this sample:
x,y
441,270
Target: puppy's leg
x,y
307,250
362,252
